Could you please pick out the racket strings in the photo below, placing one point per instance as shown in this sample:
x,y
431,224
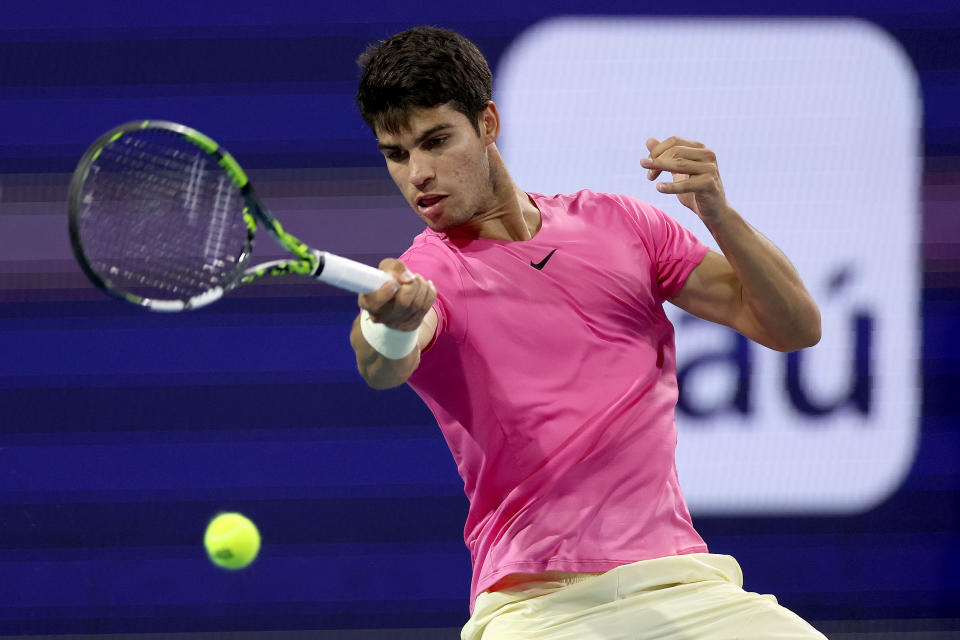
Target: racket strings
x,y
160,218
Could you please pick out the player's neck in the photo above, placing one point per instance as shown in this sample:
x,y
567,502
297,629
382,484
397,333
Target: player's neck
x,y
510,216
525,223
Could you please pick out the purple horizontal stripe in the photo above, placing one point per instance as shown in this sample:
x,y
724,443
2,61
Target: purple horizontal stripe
x,y
379,231
941,224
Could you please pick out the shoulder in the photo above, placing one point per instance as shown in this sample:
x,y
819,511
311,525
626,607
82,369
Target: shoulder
x,y
427,251
436,260
582,198
586,202
613,211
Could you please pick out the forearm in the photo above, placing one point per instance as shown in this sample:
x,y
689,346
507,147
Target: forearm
x,y
771,289
379,371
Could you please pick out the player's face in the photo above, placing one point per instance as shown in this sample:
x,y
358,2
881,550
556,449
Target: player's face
x,y
441,165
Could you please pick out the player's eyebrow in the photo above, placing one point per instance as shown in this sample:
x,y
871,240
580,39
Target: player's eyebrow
x,y
416,143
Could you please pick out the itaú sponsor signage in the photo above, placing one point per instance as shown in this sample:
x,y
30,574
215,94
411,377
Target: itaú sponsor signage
x,y
816,127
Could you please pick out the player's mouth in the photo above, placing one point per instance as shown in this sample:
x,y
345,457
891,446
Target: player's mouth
x,y
430,205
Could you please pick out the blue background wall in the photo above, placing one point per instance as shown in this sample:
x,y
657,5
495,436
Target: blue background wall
x,y
122,433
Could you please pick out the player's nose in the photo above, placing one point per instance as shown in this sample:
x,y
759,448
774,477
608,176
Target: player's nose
x,y
421,171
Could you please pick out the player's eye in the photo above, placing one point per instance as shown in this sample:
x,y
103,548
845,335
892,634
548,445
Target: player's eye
x,y
396,155
435,142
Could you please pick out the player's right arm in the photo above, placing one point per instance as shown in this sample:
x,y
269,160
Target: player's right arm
x,y
406,304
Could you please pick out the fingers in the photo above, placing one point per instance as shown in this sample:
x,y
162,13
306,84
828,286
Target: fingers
x,y
651,145
673,141
396,268
696,178
411,300
678,156
402,302
690,184
376,300
680,159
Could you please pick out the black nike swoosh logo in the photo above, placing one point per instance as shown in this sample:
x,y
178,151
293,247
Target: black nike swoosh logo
x,y
540,265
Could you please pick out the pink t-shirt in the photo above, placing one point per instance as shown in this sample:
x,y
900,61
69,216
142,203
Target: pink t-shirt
x,y
555,387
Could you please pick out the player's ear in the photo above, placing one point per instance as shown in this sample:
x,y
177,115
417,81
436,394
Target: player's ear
x,y
489,122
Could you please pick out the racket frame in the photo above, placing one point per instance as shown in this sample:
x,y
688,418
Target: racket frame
x,y
335,270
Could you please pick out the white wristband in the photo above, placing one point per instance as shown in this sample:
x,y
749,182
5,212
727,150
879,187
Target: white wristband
x,y
391,343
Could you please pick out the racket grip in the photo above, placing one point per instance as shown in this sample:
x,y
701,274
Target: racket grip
x,y
349,274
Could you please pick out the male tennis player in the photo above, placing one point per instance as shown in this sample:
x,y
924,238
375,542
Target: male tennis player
x,y
533,328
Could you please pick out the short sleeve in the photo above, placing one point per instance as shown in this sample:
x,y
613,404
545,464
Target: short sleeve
x,y
675,250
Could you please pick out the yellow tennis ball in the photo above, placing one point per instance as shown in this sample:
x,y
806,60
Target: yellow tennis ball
x,y
232,541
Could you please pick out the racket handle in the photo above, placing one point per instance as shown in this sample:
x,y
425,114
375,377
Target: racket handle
x,y
350,275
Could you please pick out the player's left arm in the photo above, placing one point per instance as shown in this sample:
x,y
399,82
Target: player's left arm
x,y
752,287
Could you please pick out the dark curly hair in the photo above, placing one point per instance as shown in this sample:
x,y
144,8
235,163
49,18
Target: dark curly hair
x,y
422,67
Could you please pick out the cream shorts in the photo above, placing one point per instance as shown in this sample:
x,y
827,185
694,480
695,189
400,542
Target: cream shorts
x,y
687,597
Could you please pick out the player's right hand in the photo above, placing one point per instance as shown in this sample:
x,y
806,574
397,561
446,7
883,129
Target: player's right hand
x,y
400,303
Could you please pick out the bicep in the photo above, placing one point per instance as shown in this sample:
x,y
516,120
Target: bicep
x,y
713,292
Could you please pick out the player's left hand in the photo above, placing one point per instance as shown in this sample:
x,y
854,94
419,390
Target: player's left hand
x,y
696,178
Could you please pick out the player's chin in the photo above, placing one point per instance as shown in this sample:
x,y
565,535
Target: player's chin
x,y
425,219
435,225
434,222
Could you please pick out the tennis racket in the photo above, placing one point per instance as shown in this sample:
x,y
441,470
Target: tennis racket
x,y
163,217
